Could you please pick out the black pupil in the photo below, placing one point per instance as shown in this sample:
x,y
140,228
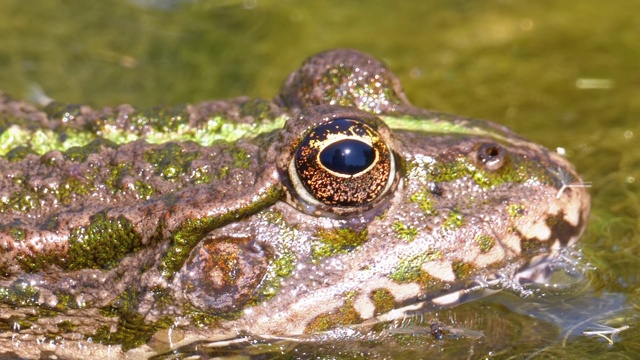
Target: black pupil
x,y
347,156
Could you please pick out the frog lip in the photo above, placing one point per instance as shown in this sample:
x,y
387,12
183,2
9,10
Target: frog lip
x,y
537,271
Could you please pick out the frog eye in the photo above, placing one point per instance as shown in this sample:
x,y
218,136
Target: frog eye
x,y
492,155
342,163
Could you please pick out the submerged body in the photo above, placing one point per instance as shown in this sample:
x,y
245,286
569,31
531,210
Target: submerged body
x,y
332,205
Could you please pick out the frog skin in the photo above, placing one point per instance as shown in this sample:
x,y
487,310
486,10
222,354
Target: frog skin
x,y
125,232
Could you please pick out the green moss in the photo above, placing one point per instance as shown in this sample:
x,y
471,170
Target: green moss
x,y
116,175
132,330
20,294
18,153
66,301
143,190
102,244
170,160
280,267
202,175
462,269
516,210
363,95
485,242
410,269
16,233
453,220
334,241
345,315
383,300
241,159
257,109
65,326
70,187
515,170
161,119
191,231
406,233
423,199
80,153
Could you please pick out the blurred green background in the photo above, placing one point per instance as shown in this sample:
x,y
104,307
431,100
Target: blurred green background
x,y
563,73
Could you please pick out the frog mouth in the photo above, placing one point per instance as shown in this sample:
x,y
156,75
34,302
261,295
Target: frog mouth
x,y
537,272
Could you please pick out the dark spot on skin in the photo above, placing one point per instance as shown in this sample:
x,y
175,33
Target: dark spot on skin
x,y
561,229
436,189
531,246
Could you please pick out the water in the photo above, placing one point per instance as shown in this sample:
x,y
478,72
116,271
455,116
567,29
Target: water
x,y
563,73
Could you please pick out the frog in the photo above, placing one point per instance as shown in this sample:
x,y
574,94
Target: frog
x,y
338,204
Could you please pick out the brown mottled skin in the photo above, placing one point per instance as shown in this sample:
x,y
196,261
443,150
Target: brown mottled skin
x,y
237,250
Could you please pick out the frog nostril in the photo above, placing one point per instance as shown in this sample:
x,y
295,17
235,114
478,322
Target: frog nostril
x,y
492,155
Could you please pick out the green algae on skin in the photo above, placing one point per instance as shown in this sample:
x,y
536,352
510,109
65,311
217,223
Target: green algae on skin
x,y
516,210
79,143
406,233
30,197
102,244
170,160
462,269
190,232
333,241
409,269
20,294
453,220
423,199
516,170
131,330
485,242
370,90
280,266
383,301
344,315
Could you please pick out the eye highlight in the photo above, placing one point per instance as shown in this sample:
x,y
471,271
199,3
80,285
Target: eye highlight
x,y
342,163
